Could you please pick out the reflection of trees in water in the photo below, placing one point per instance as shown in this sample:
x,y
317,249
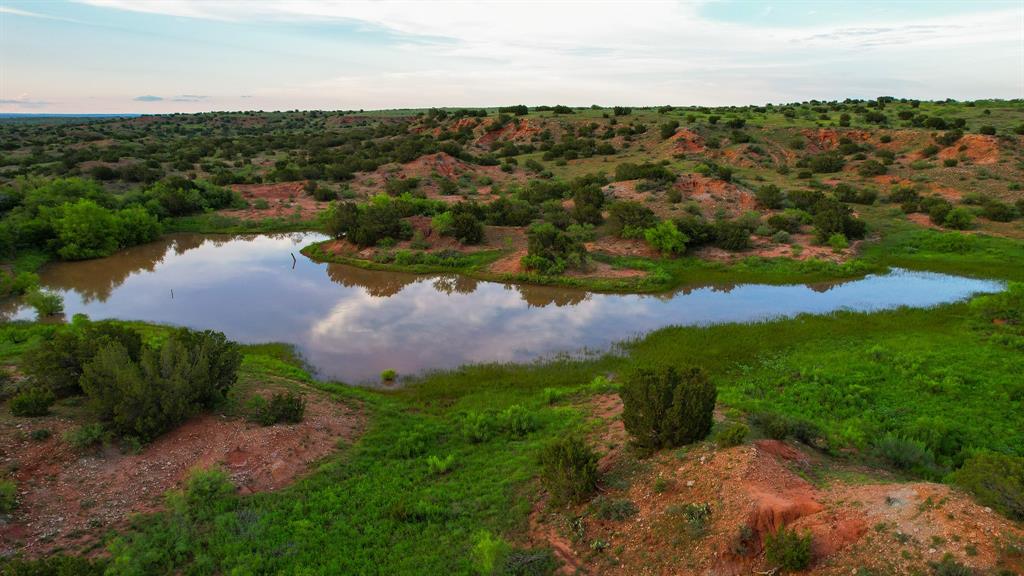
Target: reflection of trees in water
x,y
375,282
540,296
455,284
97,279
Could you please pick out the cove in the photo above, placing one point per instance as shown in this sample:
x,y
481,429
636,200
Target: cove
x,y
350,324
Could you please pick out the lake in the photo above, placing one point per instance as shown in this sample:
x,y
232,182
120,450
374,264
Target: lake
x,y
350,324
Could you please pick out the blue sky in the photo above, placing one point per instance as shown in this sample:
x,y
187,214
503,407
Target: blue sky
x,y
189,55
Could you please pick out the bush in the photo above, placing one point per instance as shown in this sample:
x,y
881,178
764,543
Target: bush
x,y
770,196
871,168
732,235
733,434
8,496
788,549
287,407
838,242
959,218
667,407
388,375
906,454
568,470
517,421
666,238
57,362
189,372
551,250
832,217
996,480
85,437
45,303
35,401
627,218
998,211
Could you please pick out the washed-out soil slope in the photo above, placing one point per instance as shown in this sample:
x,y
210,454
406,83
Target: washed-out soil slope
x,y
858,517
68,499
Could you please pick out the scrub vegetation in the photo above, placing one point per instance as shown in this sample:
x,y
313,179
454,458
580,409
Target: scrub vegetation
x,y
719,449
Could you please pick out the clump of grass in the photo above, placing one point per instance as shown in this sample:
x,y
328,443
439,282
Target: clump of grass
x,y
437,465
788,549
732,434
8,496
617,509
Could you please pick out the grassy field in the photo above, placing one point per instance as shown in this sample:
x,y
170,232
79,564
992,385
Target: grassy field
x,y
941,377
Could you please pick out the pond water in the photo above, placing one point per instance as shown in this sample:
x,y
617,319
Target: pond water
x,y
351,324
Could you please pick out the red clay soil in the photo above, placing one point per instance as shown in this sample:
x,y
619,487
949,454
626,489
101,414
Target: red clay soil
x,y
686,141
826,139
518,131
67,499
285,199
886,526
977,148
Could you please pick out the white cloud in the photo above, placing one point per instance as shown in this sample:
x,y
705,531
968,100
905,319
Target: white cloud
x,y
485,53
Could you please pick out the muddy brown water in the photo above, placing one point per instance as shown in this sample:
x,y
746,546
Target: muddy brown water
x,y
350,323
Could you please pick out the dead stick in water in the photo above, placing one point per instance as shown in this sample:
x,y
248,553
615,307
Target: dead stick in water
x,y
172,293
293,260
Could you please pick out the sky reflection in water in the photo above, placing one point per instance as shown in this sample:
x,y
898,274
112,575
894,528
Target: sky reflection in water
x,y
351,324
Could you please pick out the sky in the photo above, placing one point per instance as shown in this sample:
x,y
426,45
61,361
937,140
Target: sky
x,y
155,56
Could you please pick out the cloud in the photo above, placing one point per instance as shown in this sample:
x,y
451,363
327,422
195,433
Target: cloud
x,y
28,14
23,102
472,54
148,98
189,98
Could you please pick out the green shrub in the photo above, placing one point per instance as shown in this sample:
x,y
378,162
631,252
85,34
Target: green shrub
x,y
996,480
787,549
770,196
54,565
838,242
568,470
207,492
40,435
959,218
625,218
906,454
666,238
731,235
617,509
45,303
8,496
517,422
261,204
388,375
85,437
551,250
489,553
35,401
287,407
667,407
57,362
188,372
732,434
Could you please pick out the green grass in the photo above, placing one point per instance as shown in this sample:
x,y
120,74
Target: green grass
x,y
935,374
212,223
